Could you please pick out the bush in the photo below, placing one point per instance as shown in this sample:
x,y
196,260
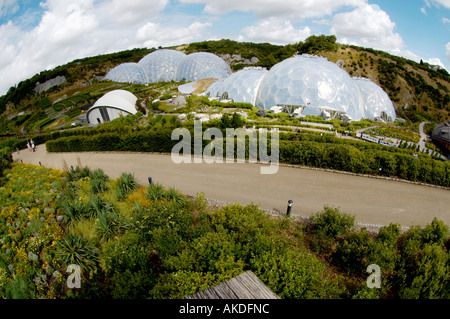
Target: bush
x,y
430,278
332,223
352,251
127,252
296,275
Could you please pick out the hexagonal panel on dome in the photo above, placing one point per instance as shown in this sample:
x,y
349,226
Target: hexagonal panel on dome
x,y
162,65
127,73
312,82
202,65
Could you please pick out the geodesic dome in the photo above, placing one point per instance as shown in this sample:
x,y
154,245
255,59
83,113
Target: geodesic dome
x,y
313,83
202,65
241,86
162,65
377,104
127,72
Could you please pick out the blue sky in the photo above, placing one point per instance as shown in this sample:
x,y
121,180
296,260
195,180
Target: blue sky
x,y
40,35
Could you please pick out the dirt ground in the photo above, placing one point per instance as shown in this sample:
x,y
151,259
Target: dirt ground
x,y
372,201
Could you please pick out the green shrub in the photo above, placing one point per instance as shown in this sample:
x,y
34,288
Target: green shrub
x,y
131,284
296,275
384,251
126,252
352,251
332,223
437,232
20,288
430,278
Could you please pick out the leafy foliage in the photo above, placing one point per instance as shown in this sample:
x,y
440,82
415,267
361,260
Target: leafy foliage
x,y
156,243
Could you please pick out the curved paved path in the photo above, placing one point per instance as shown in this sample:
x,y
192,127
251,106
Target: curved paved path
x,y
372,201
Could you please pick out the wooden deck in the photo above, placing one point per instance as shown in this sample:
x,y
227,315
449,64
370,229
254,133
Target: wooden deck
x,y
245,286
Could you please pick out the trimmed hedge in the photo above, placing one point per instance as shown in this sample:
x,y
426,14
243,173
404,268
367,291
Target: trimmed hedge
x,y
351,159
143,141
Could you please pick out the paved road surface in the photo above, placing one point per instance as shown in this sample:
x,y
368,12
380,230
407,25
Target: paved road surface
x,y
423,136
372,201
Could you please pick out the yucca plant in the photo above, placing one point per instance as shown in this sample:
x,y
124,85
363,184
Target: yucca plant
x,y
97,204
156,192
77,173
109,224
99,180
99,174
77,250
125,185
74,210
175,197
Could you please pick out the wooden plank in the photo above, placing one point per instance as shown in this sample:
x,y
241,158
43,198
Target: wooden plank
x,y
245,286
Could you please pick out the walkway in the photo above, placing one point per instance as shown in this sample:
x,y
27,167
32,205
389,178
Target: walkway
x,y
372,201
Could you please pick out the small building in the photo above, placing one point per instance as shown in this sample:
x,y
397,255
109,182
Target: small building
x,y
111,106
441,136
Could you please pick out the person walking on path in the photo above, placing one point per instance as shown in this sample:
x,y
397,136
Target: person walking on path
x,y
33,147
28,146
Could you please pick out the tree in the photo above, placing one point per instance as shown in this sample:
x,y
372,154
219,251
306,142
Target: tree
x,y
236,121
315,44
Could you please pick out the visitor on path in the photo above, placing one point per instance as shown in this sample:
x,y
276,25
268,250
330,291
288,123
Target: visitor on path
x,y
33,147
28,146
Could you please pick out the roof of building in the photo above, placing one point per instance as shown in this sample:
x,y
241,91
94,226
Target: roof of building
x,y
442,132
119,99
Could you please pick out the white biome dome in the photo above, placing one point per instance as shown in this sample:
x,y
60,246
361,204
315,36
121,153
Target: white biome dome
x,y
241,86
377,104
312,83
162,65
111,106
128,73
202,65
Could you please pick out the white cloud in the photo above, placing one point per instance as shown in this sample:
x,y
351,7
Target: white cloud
x,y
275,31
423,10
447,51
293,9
435,61
71,29
8,7
131,12
445,20
439,3
367,26
154,35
